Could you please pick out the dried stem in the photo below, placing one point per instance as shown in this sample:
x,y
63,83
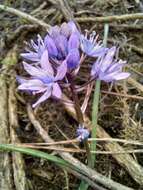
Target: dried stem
x,y
25,16
17,159
136,84
123,95
92,139
107,19
5,166
74,150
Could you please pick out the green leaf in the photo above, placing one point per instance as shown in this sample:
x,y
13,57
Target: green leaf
x,y
37,153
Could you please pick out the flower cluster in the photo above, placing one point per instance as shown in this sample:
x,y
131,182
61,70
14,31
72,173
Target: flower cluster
x,y
50,60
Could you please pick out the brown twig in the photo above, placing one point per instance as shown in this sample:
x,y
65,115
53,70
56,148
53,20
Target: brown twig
x,y
136,84
74,150
39,8
123,95
106,19
19,175
84,1
5,166
121,27
26,16
124,141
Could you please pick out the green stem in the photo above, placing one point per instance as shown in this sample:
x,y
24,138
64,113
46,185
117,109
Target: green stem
x,y
106,31
89,157
95,118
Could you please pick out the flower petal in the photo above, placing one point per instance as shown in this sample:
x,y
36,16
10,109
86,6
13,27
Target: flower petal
x,y
62,45
116,66
86,45
32,85
73,27
56,92
98,51
96,67
65,29
73,59
113,76
50,44
32,56
61,71
107,77
41,46
33,71
73,41
108,59
54,31
44,97
45,64
20,80
122,76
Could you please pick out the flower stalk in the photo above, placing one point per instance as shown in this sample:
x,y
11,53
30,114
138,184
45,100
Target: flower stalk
x,y
79,115
76,100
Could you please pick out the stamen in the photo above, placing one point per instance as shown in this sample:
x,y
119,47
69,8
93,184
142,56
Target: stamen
x,y
100,43
95,40
92,35
34,45
86,33
91,38
40,41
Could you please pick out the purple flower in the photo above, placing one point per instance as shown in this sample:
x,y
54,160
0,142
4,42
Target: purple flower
x,y
82,133
108,69
43,79
90,46
63,44
35,54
